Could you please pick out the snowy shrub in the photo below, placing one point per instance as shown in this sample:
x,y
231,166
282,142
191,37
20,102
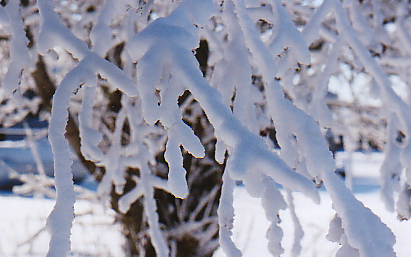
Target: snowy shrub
x,y
169,103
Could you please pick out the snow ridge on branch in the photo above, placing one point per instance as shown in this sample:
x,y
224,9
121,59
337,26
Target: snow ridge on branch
x,y
172,39
54,33
166,68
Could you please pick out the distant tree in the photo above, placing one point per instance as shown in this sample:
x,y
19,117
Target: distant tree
x,y
169,103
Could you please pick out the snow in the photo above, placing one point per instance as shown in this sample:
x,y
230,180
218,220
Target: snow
x,y
54,33
17,155
166,68
18,52
250,225
225,217
95,233
22,222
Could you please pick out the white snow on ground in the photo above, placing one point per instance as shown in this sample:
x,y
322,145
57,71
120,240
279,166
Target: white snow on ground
x,y
96,234
250,222
250,225
22,226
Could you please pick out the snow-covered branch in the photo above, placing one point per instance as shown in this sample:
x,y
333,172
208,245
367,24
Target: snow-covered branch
x,y
128,80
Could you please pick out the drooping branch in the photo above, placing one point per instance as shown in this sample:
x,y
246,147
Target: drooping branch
x,y
45,89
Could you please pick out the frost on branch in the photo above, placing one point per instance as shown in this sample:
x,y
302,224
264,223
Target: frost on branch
x,y
397,107
269,69
248,153
343,200
54,33
160,64
101,32
19,53
15,68
59,221
226,217
90,137
293,124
